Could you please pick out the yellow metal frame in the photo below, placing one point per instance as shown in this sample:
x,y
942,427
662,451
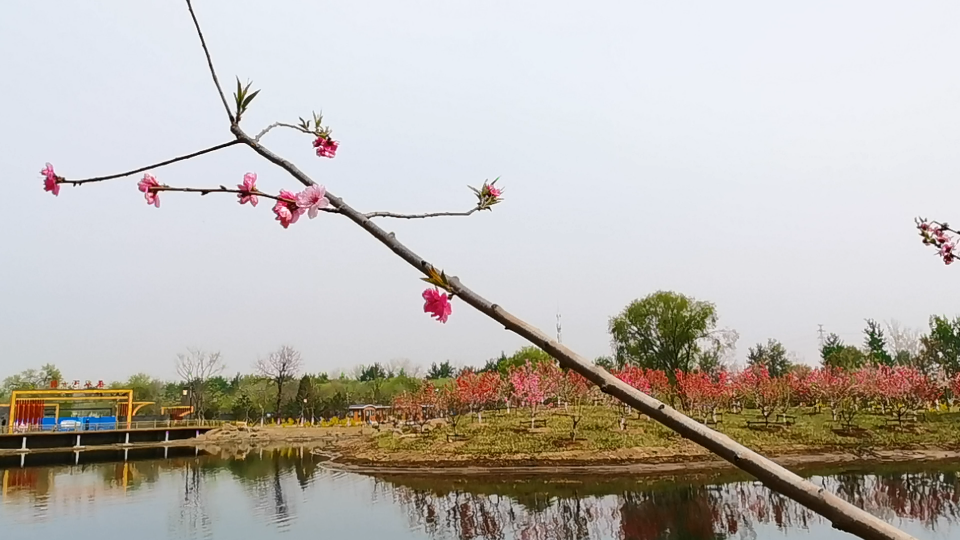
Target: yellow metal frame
x,y
71,395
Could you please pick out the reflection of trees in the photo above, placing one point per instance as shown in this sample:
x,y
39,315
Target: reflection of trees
x,y
193,517
262,473
541,511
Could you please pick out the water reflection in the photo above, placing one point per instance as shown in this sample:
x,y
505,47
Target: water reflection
x,y
265,494
662,511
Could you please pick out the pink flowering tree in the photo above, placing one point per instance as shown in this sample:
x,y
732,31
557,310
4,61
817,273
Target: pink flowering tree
x,y
574,390
480,391
905,390
636,377
766,393
702,394
528,391
660,385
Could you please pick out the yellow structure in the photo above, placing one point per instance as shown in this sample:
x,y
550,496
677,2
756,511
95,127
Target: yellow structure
x,y
123,399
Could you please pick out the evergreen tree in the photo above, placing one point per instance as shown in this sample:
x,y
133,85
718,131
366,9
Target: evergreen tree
x,y
876,344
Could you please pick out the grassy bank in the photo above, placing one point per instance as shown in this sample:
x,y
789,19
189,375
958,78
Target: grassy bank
x,y
504,438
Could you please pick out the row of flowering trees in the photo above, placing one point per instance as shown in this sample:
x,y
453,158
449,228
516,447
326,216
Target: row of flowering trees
x,y
895,391
892,390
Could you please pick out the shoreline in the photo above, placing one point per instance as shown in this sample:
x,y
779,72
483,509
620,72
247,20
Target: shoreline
x,y
664,467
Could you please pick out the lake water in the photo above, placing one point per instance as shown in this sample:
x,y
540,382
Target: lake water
x,y
288,494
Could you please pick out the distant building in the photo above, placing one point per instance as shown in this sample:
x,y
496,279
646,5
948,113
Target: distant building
x,y
369,413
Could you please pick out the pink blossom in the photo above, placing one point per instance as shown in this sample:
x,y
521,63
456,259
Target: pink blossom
x,y
249,188
313,199
50,180
437,304
150,195
326,147
494,192
286,209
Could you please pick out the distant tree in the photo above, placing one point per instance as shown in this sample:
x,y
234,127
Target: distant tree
x,y
772,356
375,375
195,368
848,358
533,355
876,344
31,379
904,344
832,344
443,371
280,367
242,407
492,364
304,396
942,345
664,331
146,388
373,372
606,362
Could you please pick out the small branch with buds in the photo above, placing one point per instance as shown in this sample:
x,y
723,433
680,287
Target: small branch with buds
x,y
280,124
938,235
171,161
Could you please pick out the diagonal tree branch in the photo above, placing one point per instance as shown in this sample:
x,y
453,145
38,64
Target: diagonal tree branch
x,y
213,73
153,166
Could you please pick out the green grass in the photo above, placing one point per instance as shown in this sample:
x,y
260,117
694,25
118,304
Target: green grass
x,y
502,435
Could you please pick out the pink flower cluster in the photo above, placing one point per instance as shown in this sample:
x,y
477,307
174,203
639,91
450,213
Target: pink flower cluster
x,y
526,383
326,147
937,235
437,304
147,185
50,180
293,205
491,191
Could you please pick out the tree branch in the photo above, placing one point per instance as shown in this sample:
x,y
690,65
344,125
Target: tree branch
x,y
280,124
206,191
213,72
420,216
842,514
153,166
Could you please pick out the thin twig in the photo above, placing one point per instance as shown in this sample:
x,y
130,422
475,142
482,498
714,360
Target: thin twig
x,y
213,72
205,191
420,216
153,166
257,193
280,124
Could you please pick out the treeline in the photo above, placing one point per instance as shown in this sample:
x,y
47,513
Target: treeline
x,y
277,388
666,332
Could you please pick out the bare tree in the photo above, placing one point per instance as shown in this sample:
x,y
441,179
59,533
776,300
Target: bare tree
x,y
280,366
406,367
904,341
195,367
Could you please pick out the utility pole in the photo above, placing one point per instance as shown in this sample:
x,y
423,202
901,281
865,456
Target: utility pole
x,y
820,332
559,327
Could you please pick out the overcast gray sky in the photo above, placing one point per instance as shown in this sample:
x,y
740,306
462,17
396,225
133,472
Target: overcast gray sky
x,y
768,157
